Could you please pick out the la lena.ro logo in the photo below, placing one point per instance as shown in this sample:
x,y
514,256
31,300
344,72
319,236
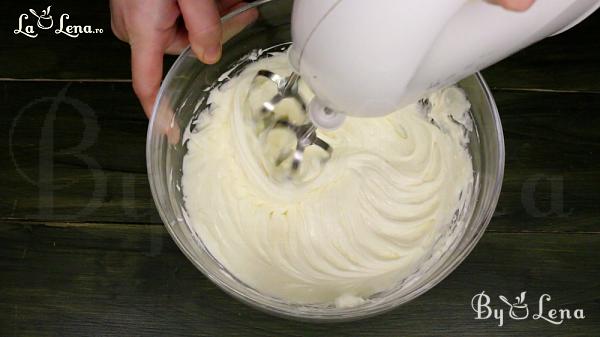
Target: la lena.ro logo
x,y
30,25
519,310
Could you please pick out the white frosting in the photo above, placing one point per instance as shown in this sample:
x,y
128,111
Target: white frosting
x,y
340,231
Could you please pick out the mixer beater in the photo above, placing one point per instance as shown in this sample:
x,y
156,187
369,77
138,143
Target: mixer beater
x,y
266,119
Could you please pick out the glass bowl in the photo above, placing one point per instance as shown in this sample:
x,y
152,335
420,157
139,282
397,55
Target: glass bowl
x,y
181,99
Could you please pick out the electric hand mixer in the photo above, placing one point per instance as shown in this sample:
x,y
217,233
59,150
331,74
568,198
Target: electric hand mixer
x,y
369,58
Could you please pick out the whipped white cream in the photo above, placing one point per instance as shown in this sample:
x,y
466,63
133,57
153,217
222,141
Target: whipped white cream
x,y
342,230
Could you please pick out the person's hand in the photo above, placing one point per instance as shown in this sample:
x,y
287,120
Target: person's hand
x,y
515,5
155,27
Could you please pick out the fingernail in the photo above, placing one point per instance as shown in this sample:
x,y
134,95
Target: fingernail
x,y
212,54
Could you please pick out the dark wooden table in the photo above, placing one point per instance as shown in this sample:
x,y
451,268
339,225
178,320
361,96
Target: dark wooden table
x,y
83,251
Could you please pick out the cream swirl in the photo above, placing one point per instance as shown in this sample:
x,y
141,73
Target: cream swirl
x,y
348,228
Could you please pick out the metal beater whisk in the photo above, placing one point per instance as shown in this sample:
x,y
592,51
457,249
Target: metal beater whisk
x,y
306,134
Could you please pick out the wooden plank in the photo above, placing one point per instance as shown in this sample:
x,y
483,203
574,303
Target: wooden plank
x,y
73,151
551,178
551,182
115,280
566,62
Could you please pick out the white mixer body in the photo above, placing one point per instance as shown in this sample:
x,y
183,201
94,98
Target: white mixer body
x,y
368,58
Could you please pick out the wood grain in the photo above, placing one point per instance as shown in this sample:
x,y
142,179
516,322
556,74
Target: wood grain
x,y
568,61
115,280
551,182
74,151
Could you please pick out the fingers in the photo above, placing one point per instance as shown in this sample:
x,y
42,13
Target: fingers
x,y
203,23
515,5
202,30
146,71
